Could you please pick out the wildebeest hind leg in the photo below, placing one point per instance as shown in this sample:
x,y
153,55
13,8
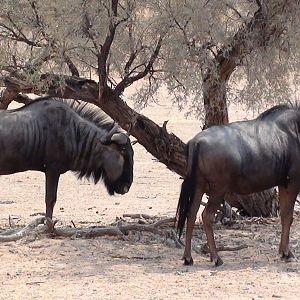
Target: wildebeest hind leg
x,y
208,216
287,198
193,210
51,192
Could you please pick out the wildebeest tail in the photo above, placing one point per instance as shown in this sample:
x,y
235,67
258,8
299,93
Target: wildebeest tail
x,y
187,191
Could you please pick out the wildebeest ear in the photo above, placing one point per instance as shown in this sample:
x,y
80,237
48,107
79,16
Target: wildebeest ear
x,y
119,138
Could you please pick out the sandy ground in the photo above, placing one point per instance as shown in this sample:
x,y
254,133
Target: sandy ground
x,y
108,268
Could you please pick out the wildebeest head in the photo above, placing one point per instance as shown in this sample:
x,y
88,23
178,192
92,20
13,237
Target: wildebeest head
x,y
110,158
118,162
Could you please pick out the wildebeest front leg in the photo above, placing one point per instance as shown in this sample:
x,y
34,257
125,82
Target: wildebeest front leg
x,y
287,198
208,217
187,256
51,192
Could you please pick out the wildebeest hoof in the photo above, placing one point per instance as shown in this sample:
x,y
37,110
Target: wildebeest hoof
x,y
50,224
288,257
188,262
218,261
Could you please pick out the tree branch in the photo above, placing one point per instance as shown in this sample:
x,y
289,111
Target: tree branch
x,y
128,80
7,96
133,52
73,69
105,49
17,35
38,19
256,33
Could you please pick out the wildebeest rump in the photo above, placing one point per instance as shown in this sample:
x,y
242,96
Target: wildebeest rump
x,y
55,136
242,157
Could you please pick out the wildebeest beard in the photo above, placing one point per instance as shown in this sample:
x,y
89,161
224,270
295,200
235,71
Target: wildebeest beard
x,y
117,186
123,183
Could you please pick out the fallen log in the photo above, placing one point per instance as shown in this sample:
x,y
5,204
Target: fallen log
x,y
18,234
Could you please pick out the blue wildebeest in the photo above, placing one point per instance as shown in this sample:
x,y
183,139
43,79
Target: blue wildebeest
x,y
242,157
55,136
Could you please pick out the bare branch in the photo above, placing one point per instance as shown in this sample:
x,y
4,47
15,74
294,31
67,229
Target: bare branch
x,y
128,64
207,1
17,34
73,69
38,60
252,35
133,53
102,57
180,84
128,80
38,18
191,42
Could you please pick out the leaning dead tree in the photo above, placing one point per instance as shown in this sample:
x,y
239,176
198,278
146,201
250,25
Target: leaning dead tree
x,y
132,41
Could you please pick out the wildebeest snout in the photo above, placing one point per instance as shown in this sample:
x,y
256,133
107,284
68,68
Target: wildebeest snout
x,y
122,189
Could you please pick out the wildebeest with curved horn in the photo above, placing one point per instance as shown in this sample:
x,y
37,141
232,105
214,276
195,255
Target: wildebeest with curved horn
x,y
242,157
54,136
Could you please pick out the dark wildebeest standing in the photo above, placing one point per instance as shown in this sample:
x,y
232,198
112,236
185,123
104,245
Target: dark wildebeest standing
x,y
55,136
242,157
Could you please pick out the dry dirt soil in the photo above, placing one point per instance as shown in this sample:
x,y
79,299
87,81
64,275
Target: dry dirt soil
x,y
146,266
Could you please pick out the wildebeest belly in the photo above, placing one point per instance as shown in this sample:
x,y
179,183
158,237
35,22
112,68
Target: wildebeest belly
x,y
252,183
18,149
242,169
17,161
237,180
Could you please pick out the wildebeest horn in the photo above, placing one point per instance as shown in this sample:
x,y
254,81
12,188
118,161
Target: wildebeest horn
x,y
120,138
111,132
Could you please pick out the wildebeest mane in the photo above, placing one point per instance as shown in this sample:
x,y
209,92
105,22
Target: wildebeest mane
x,y
91,113
273,110
94,115
88,111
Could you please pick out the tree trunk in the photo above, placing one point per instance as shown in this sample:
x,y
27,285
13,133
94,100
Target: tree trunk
x,y
263,204
214,94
